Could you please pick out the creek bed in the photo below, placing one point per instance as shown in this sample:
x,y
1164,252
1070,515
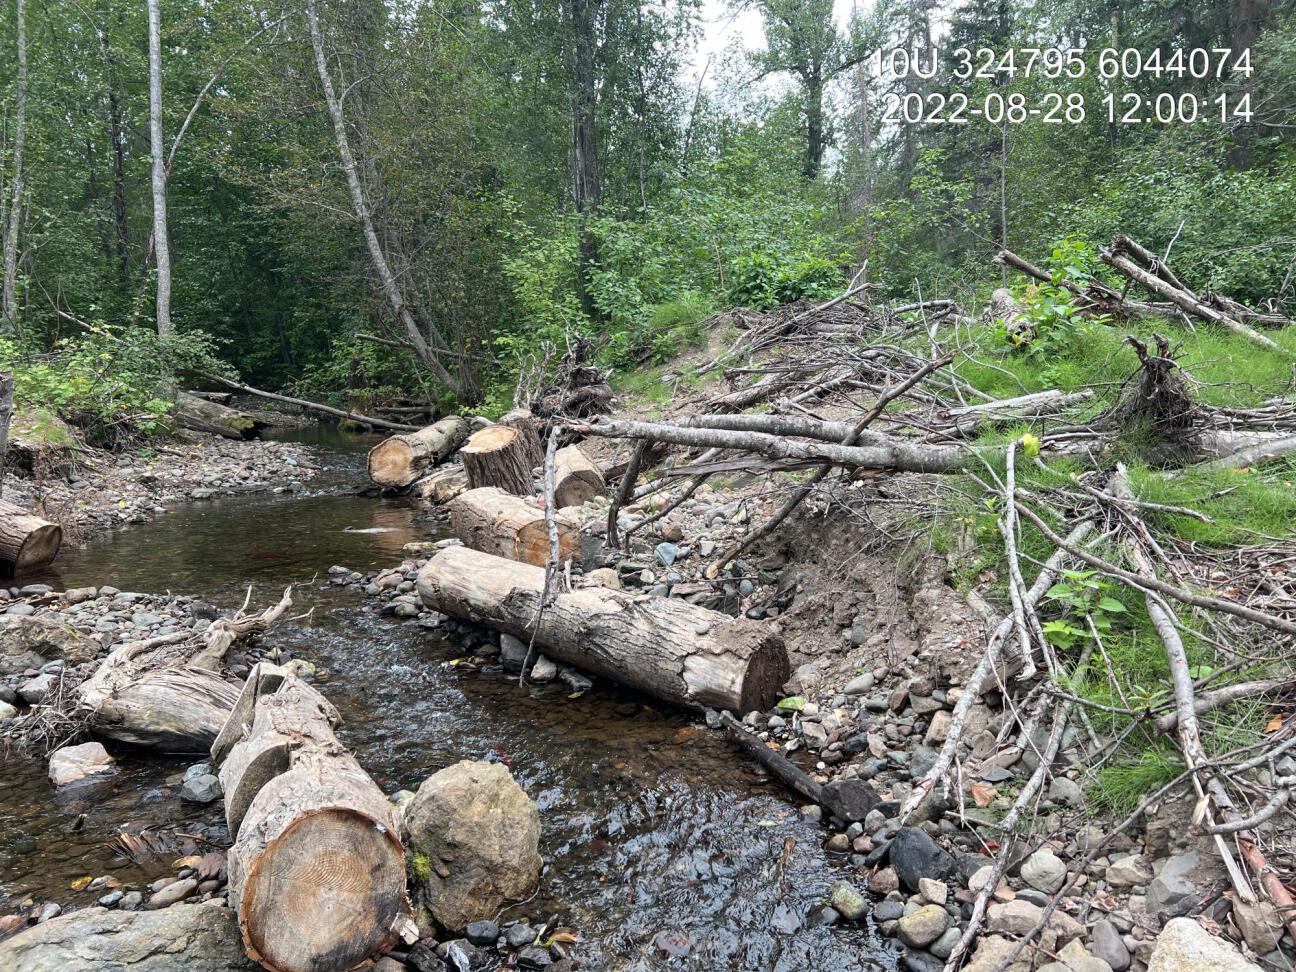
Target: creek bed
x,y
661,846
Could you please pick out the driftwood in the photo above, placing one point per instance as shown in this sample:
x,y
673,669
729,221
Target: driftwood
x,y
576,479
398,461
26,541
500,523
442,485
499,456
165,692
201,415
317,869
666,647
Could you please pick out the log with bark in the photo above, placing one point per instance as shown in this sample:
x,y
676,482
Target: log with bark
x,y
26,541
500,523
576,479
1010,314
317,869
499,456
528,429
166,692
199,415
669,648
6,414
442,485
399,461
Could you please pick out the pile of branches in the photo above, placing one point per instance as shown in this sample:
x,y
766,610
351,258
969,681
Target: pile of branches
x,y
841,387
573,388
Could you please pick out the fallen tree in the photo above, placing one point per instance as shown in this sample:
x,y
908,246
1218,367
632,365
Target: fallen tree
x,y
165,692
27,542
669,648
399,460
496,522
317,869
201,415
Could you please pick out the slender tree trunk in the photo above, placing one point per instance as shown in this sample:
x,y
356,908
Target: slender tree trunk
x,y
161,242
10,296
6,414
390,288
815,135
116,159
587,190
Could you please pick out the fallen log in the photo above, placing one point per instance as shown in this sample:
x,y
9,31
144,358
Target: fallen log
x,y
500,456
576,479
165,693
200,415
527,427
341,413
1005,309
26,541
1184,300
398,461
6,415
442,485
496,522
894,454
317,869
669,648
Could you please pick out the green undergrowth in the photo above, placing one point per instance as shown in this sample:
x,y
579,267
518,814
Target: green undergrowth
x,y
1244,505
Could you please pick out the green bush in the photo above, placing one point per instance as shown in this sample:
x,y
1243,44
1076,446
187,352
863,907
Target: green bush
x,y
763,280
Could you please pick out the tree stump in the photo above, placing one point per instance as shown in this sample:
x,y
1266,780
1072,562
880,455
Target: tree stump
x,y
672,649
500,523
528,428
576,479
498,456
317,870
26,541
398,461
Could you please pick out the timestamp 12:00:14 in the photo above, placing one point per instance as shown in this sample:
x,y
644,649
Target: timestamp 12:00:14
x,y
1052,108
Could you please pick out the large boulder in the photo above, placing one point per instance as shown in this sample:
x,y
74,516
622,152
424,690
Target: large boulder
x,y
1184,946
30,641
196,938
474,840
914,856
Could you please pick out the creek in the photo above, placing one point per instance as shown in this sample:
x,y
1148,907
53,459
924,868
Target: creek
x,y
662,846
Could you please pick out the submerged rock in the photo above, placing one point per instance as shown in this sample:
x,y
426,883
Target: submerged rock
x,y
475,840
72,764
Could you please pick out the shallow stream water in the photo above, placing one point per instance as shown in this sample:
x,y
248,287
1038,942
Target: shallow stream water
x,y
662,847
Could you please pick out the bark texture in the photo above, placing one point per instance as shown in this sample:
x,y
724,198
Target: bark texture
x,y
201,415
400,460
499,523
499,456
317,870
671,649
26,542
161,241
528,430
442,485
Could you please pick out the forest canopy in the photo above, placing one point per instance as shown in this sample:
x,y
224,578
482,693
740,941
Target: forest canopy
x,y
370,199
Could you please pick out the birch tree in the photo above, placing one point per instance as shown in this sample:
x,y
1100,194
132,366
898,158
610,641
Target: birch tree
x,y
391,289
161,243
10,298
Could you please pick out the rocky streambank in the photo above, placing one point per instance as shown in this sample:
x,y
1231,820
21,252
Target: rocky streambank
x,y
90,491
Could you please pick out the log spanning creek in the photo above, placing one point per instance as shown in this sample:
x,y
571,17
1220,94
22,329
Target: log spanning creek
x,y
663,846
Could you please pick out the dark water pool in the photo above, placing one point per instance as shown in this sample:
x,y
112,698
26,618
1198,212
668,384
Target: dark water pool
x,y
654,832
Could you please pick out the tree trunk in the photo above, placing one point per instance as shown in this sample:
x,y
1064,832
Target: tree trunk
x,y
200,415
400,460
528,430
1005,309
6,415
505,525
376,423
317,869
668,648
117,161
9,304
26,542
587,189
161,242
390,288
443,485
164,692
499,456
576,479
